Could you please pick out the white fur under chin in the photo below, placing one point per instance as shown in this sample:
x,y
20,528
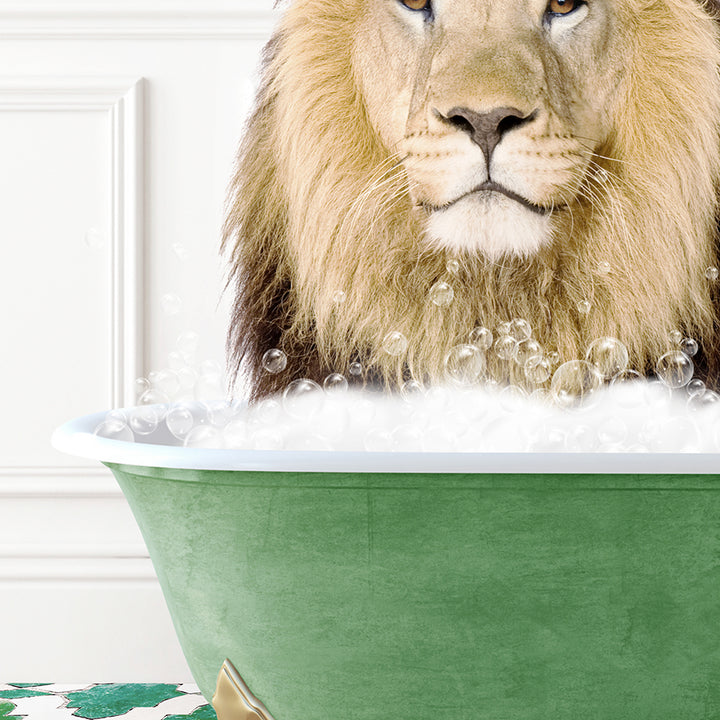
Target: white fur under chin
x,y
493,225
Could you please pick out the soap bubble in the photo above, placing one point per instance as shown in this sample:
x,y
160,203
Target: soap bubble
x,y
395,343
574,382
481,338
153,397
675,337
540,396
339,297
510,397
712,273
167,382
144,419
171,303
608,355
187,377
626,376
114,429
583,307
675,369
695,387
268,411
604,267
526,350
94,239
187,343
220,412
503,328
520,329
553,357
411,389
701,402
581,438
464,364
142,385
209,387
612,431
407,437
537,369
204,436
274,361
180,421
356,369
505,347
303,399
236,434
268,439
689,346
335,383
441,294
180,251
453,267
377,440
210,368
176,361
679,434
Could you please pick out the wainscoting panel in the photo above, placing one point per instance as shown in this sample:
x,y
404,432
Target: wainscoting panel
x,y
119,123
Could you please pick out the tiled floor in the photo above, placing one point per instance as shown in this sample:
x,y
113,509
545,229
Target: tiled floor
x,y
45,701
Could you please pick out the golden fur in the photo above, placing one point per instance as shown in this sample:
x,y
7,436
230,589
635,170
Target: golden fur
x,y
344,154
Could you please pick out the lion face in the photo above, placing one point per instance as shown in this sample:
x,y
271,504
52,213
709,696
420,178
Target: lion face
x,y
563,156
495,110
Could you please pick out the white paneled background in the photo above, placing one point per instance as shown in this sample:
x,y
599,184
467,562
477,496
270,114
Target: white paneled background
x,y
119,122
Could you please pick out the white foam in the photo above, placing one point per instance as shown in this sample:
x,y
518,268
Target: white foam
x,y
627,417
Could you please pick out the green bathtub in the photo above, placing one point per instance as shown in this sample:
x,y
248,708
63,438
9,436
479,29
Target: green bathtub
x,y
469,587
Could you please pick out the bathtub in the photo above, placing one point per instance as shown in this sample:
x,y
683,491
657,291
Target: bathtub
x,y
359,586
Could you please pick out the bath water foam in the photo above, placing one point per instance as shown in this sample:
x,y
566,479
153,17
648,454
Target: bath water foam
x,y
595,404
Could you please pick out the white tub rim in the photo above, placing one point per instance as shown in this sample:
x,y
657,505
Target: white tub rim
x,y
77,437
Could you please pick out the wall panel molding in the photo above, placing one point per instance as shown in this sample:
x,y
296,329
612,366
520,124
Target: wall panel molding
x,y
60,569
117,20
68,483
121,100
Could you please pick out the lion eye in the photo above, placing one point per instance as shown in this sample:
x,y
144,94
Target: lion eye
x,y
562,7
416,4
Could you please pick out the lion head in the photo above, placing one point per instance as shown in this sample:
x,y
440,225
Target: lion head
x,y
557,161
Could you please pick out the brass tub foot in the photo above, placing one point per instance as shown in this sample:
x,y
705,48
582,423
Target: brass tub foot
x,y
233,700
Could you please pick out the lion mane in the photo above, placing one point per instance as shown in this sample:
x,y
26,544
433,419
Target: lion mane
x,y
330,249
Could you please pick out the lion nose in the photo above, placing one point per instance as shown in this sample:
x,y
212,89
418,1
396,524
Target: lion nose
x,y
487,129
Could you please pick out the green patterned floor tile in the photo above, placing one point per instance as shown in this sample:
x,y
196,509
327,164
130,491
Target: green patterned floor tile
x,y
21,693
205,712
5,709
104,701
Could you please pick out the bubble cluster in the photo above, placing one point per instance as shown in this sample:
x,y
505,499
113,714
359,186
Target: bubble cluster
x,y
501,390
439,419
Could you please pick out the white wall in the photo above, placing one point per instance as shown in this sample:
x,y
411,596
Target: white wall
x,y
118,127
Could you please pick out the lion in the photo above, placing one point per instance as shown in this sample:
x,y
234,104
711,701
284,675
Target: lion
x,y
553,161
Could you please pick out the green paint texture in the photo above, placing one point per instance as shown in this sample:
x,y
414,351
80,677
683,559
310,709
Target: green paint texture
x,y
418,596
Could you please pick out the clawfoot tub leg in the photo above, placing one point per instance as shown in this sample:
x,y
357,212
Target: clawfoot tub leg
x,y
233,700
